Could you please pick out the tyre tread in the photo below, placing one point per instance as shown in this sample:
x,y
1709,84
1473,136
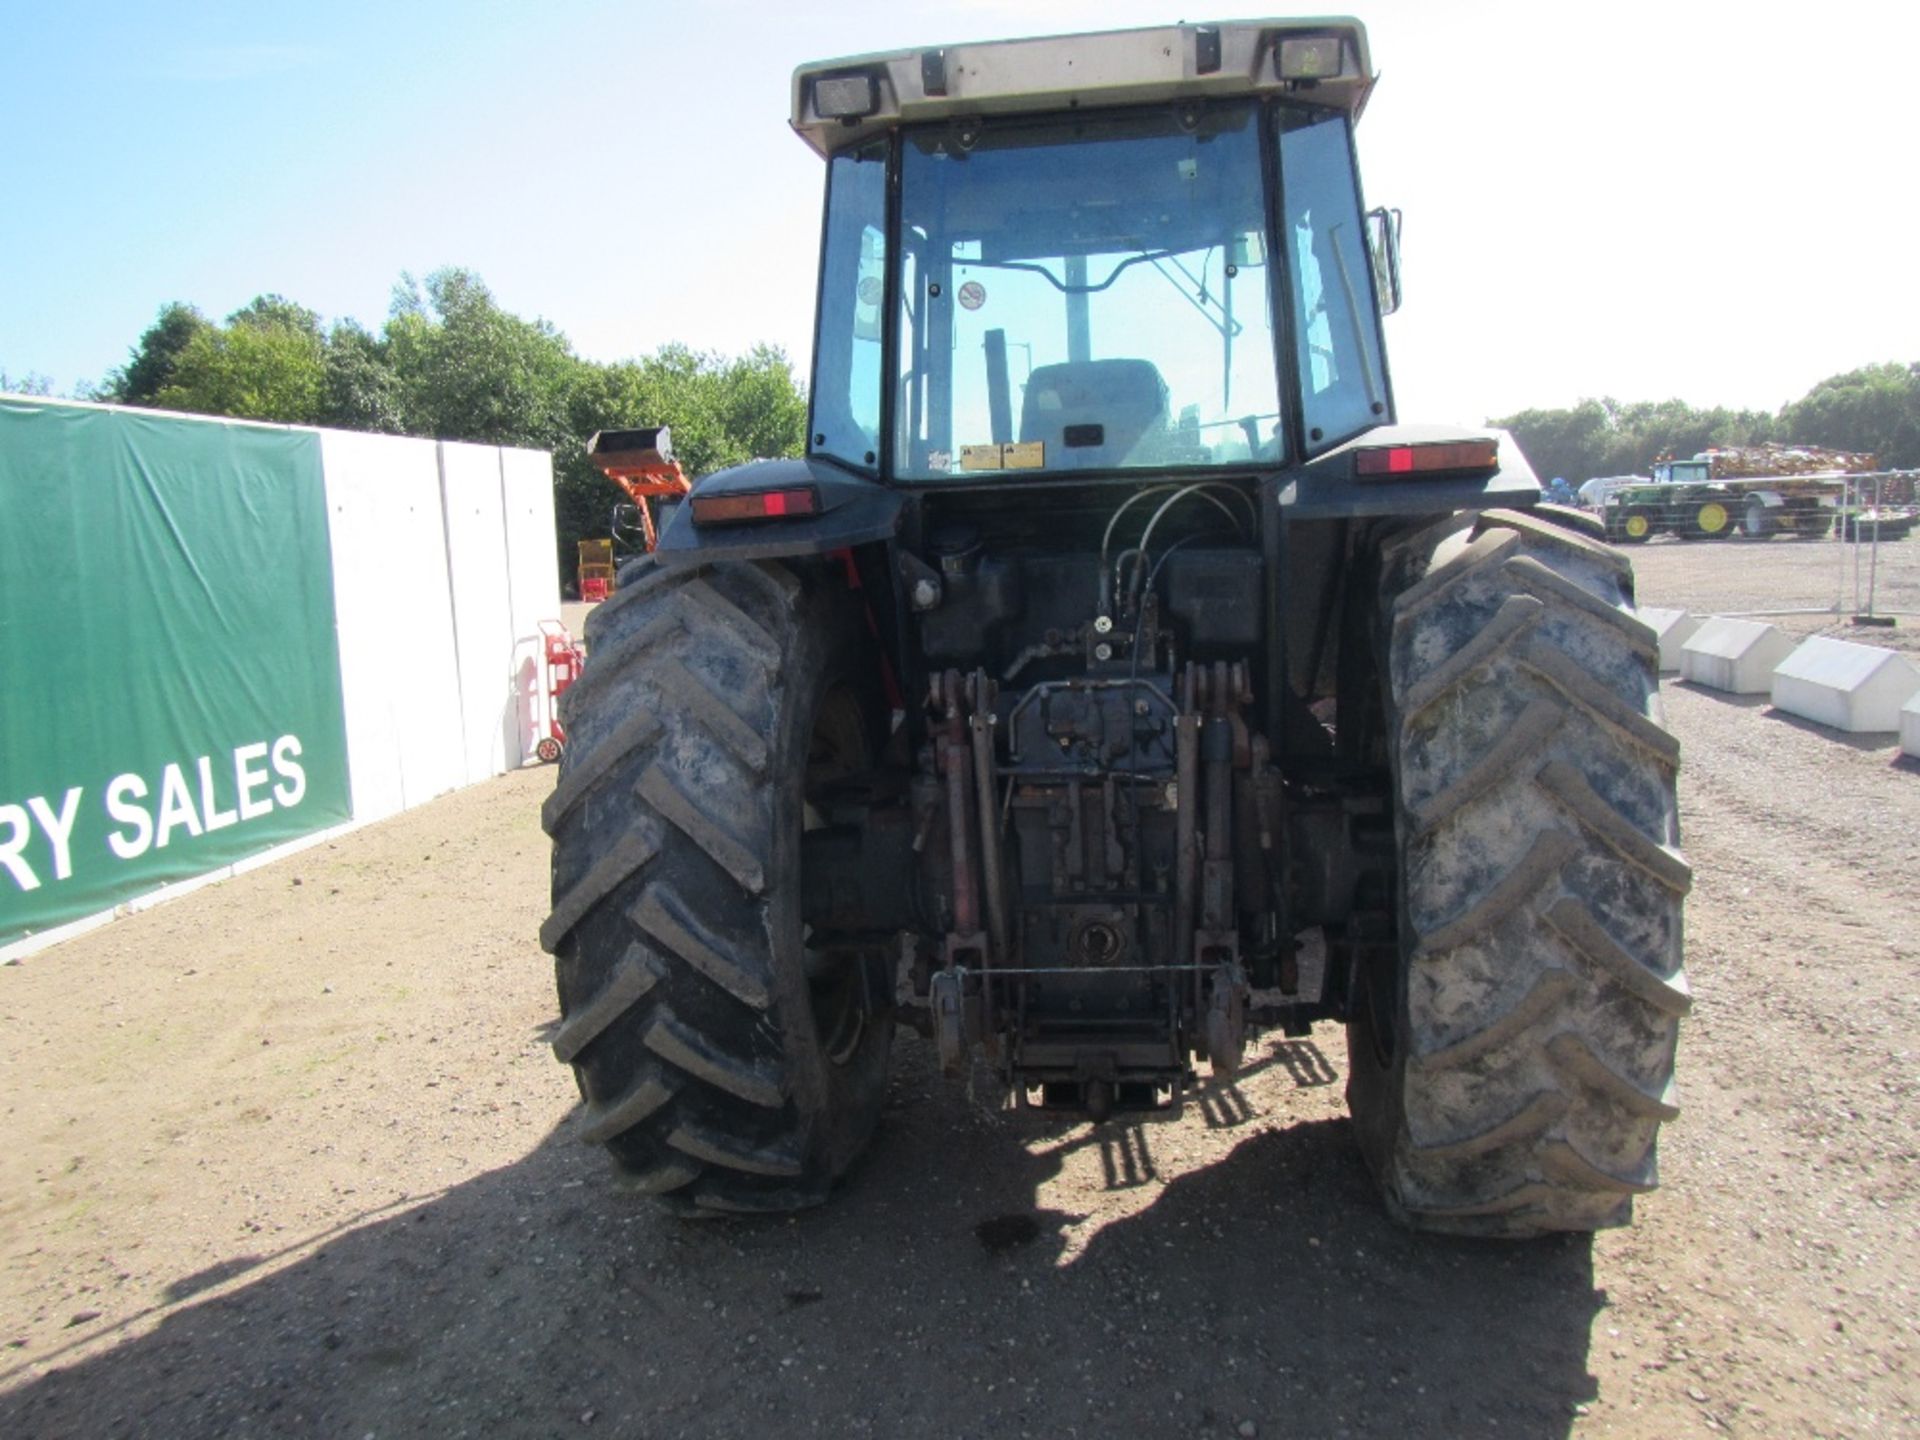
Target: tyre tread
x,y
648,1093
1542,1005
637,972
1541,863
635,733
1540,1001
1525,1125
663,916
1576,924
1600,704
711,712
685,1048
628,855
1516,615
727,851
1585,804
1517,745
1547,584
732,1153
689,1046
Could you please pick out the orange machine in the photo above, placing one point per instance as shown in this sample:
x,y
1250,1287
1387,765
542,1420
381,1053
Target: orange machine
x,y
641,463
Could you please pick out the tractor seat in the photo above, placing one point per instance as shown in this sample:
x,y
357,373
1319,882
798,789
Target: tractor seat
x,y
1092,413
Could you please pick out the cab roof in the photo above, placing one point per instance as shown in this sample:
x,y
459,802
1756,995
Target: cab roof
x,y
837,103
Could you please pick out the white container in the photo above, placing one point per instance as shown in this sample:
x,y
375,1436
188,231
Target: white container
x,y
1856,688
1737,656
1674,627
1910,728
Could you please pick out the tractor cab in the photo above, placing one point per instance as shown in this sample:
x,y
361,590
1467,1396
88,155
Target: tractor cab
x,y
1166,268
1682,472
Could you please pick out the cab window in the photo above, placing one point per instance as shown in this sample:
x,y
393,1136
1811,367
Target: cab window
x,y
845,420
1336,326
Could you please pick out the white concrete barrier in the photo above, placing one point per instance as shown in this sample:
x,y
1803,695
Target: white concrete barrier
x,y
1856,688
1737,656
1910,728
394,612
482,605
1674,627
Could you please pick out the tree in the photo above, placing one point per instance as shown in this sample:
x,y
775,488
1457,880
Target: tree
x,y
1875,408
759,404
363,393
254,370
451,364
276,312
1567,443
468,370
149,367
721,411
31,383
1605,437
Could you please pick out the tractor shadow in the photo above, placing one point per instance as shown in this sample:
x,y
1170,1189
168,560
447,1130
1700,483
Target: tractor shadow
x,y
978,1275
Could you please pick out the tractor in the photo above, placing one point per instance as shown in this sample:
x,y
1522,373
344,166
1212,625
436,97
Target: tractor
x,y
1116,680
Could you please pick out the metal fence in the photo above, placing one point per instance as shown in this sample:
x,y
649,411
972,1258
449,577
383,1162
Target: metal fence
x,y
1861,579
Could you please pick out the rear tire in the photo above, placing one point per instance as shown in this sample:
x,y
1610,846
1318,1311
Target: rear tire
x,y
1509,1074
723,1066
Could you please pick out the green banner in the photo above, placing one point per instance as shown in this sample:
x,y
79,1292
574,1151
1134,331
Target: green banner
x,y
171,675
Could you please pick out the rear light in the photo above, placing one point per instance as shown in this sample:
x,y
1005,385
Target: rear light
x,y
1427,459
755,505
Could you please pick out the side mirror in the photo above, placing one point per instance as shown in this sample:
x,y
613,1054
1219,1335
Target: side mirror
x,y
1383,240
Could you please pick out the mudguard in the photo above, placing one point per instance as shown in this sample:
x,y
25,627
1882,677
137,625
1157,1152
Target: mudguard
x,y
854,510
1327,488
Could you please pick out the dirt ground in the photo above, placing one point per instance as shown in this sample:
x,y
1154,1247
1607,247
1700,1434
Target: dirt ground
x,y
289,1156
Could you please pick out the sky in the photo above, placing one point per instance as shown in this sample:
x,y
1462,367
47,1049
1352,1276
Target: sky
x,y
1713,201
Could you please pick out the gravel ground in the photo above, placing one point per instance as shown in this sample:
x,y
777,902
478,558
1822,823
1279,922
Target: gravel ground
x,y
289,1156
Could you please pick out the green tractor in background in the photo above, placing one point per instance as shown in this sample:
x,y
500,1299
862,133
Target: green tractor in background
x,y
1748,493
1116,677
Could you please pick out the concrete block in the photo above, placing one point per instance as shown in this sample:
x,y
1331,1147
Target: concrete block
x,y
1737,656
1856,688
476,538
393,610
1675,628
1910,728
533,569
